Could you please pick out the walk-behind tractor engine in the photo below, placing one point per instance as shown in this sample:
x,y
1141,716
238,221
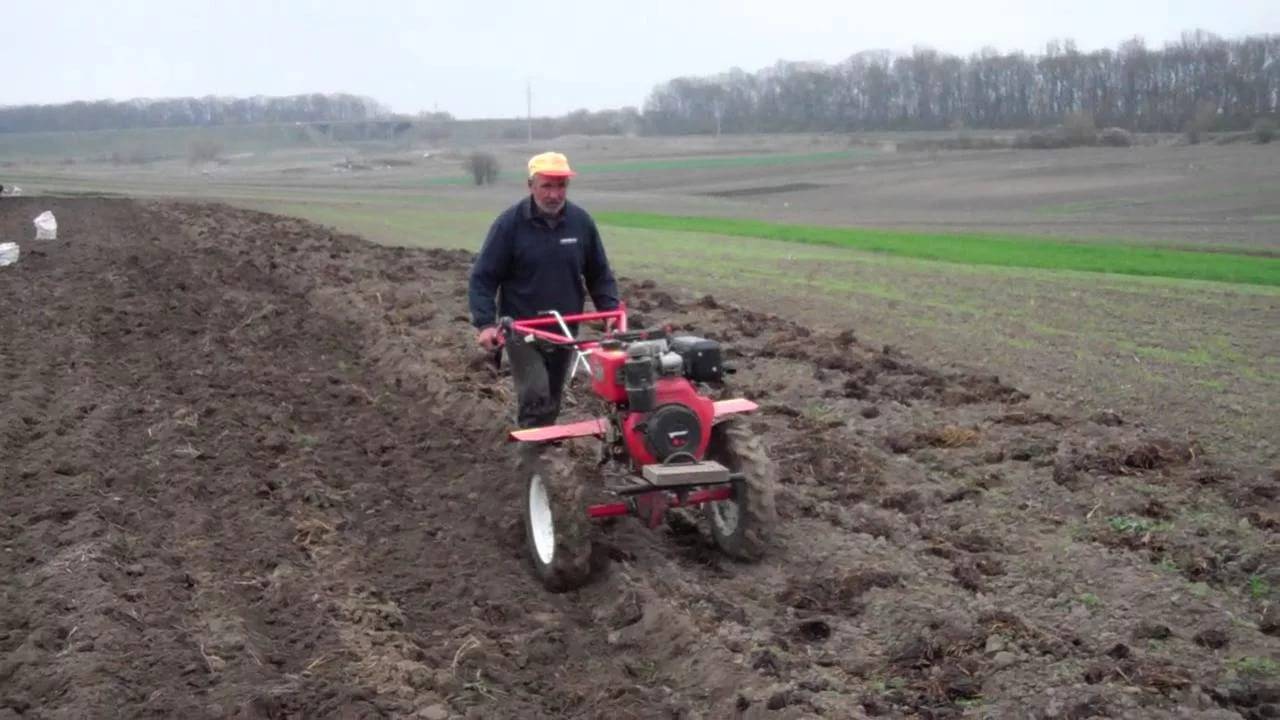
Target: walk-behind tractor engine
x,y
674,445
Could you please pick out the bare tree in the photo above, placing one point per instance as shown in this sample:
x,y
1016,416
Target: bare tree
x,y
1264,130
483,167
203,150
1132,87
1205,117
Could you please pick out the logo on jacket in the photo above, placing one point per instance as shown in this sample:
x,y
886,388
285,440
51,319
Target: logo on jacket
x,y
568,241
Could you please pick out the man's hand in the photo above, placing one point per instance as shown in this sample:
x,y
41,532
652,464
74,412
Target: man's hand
x,y
489,338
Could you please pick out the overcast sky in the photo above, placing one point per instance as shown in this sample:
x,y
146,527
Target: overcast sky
x,y
473,57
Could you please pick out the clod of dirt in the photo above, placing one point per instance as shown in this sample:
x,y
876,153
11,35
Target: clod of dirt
x,y
870,412
813,630
1264,519
1131,671
1119,458
1213,638
955,680
1266,492
1065,470
1026,452
1091,708
975,541
1151,455
873,706
1021,419
903,442
433,712
779,700
873,522
989,566
1156,509
1119,651
1213,476
1152,631
1251,693
966,573
939,639
664,301
780,409
906,502
837,595
855,389
1107,418
963,493
1269,623
766,662
627,611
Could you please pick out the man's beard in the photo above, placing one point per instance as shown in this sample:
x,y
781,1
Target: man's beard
x,y
552,210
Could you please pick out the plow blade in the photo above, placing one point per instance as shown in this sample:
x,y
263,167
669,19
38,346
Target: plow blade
x,y
586,428
737,405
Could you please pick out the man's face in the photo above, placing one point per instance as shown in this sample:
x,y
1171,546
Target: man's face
x,y
549,192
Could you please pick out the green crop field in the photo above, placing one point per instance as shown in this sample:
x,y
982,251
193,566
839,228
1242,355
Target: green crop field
x,y
982,249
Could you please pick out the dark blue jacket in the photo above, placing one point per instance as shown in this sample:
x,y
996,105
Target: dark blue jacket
x,y
532,266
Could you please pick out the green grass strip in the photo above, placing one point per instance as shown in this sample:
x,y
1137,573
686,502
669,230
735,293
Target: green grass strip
x,y
981,249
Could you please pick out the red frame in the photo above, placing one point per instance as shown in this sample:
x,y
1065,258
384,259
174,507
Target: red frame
x,y
697,497
599,426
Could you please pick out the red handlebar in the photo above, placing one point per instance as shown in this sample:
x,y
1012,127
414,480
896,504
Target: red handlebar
x,y
533,326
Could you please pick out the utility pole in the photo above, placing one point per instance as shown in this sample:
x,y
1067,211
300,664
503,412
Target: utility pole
x,y
529,103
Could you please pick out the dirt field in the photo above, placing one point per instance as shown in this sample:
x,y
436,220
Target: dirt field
x,y
254,469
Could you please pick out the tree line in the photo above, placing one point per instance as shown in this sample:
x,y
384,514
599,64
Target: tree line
x,y
1201,82
1229,83
184,112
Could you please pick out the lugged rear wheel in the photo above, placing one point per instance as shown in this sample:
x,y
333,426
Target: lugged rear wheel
x,y
557,530
742,526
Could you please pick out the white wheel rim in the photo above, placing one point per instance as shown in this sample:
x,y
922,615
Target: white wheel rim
x,y
725,515
540,523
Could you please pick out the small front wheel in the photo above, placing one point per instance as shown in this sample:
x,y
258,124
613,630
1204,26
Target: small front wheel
x,y
557,529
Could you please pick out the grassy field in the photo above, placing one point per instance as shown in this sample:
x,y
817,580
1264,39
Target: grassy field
x,y
1182,339
985,249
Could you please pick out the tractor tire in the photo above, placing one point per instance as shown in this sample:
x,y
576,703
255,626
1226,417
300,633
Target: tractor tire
x,y
557,529
742,526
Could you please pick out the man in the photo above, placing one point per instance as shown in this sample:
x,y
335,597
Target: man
x,y
543,253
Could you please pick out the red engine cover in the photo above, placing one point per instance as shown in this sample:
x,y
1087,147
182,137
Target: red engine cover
x,y
669,390
606,374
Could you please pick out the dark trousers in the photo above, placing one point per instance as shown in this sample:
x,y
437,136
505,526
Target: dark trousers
x,y
539,374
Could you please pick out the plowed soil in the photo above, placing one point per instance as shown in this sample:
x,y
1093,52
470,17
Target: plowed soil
x,y
251,468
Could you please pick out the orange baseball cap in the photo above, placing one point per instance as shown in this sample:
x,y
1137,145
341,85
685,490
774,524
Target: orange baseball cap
x,y
551,164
